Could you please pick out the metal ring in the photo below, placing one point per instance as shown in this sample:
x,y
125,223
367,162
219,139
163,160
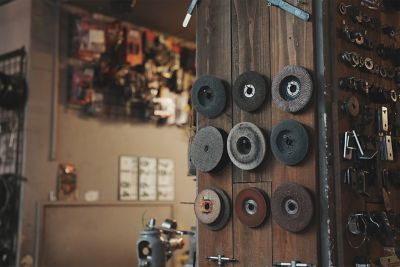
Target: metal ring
x,y
348,230
368,63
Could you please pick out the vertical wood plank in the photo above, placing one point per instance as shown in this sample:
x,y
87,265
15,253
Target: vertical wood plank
x,y
253,246
214,57
292,43
251,52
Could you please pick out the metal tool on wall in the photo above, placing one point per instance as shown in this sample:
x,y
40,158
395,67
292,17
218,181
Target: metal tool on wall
x,y
156,245
301,14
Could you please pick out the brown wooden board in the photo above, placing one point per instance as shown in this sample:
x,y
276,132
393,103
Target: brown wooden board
x,y
214,57
292,43
251,52
253,246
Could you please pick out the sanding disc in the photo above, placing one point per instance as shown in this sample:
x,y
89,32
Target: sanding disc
x,y
246,146
289,142
208,149
292,89
292,207
251,206
209,96
212,208
249,91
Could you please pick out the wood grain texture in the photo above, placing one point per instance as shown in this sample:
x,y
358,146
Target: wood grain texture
x,y
253,246
251,52
292,43
214,57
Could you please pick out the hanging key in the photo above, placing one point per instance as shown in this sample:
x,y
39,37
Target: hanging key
x,y
301,14
220,260
189,13
294,264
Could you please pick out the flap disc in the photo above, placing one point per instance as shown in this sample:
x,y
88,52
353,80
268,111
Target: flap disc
x,y
292,207
289,142
208,149
209,96
292,89
251,206
246,146
212,208
249,91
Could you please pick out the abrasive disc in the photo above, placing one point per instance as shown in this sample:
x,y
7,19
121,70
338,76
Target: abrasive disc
x,y
292,207
292,89
209,96
212,208
208,149
251,206
249,91
246,146
289,142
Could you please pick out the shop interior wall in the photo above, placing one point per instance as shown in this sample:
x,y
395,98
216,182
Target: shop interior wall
x,y
92,145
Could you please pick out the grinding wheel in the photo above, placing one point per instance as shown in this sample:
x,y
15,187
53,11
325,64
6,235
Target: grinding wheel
x,y
292,207
251,206
246,146
289,142
209,96
212,208
14,95
249,91
208,149
292,89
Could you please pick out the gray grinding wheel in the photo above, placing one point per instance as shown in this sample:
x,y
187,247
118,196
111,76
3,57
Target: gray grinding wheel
x,y
249,91
208,149
289,142
246,146
292,207
212,208
292,89
209,96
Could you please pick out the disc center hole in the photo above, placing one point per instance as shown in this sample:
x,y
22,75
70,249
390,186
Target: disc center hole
x,y
290,88
243,145
249,90
291,207
205,95
251,207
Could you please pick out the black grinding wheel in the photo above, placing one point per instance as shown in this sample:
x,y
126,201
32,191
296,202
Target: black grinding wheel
x,y
249,91
14,96
290,142
246,146
292,207
208,149
209,96
292,89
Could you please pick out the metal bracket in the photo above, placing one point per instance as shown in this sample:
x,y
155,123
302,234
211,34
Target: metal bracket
x,y
294,264
220,260
382,119
386,148
301,14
